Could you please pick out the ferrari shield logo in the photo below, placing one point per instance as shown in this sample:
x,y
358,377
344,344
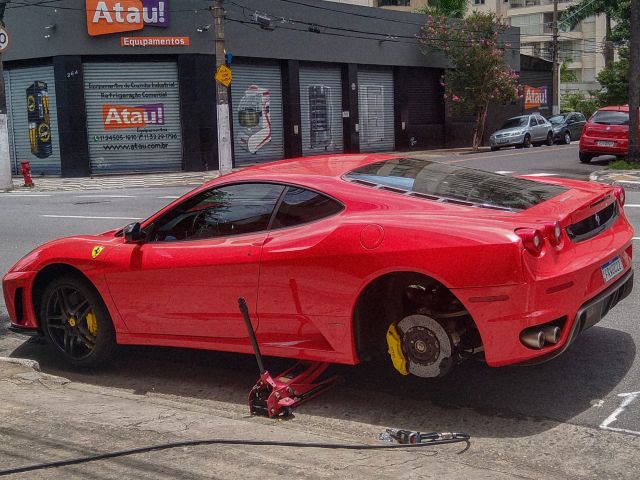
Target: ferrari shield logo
x,y
96,251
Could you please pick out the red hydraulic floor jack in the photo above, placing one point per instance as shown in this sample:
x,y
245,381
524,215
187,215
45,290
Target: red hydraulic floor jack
x,y
277,396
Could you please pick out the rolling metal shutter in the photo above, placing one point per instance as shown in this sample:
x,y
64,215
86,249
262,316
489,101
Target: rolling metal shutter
x,y
33,121
321,109
375,106
256,97
133,117
426,104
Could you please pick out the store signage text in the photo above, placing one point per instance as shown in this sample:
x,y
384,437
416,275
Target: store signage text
x,y
154,41
534,97
114,16
125,116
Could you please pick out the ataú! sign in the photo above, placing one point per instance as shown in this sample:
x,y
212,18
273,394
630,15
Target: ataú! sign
x,y
115,117
114,16
534,97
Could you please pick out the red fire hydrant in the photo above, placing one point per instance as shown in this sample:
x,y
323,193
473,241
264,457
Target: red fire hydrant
x,y
25,170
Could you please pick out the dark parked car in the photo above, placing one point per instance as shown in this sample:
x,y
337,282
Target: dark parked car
x,y
567,126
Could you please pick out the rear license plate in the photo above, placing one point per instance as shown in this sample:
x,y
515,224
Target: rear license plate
x,y
605,144
612,268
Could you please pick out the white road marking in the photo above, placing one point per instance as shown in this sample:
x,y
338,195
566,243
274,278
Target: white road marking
x,y
25,195
628,399
541,174
104,196
632,205
91,217
636,238
170,197
504,172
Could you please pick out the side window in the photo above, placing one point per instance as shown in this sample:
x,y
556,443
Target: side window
x,y
302,206
572,119
541,121
219,212
580,117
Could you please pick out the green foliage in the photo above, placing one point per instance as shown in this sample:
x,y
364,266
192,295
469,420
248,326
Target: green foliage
x,y
566,75
623,165
617,10
582,103
444,8
615,81
479,74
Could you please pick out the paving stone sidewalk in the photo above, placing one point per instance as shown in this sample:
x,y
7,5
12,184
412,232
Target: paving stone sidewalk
x,y
629,179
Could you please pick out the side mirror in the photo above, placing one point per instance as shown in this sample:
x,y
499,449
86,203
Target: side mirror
x,y
133,233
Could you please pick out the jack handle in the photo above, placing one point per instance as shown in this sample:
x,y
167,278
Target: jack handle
x,y
252,335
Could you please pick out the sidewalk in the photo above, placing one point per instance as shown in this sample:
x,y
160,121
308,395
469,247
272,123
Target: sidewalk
x,y
629,179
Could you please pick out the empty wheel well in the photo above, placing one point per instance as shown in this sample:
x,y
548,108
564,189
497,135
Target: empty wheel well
x,y
46,275
394,296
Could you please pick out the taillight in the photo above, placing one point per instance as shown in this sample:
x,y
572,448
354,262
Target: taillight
x,y
532,240
553,232
620,194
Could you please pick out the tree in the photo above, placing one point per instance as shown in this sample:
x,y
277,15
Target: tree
x,y
479,73
634,81
445,8
566,75
617,10
615,81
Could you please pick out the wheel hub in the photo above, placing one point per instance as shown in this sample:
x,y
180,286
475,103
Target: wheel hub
x,y
72,322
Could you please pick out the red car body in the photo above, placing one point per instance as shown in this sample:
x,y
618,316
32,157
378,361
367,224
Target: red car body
x,y
603,137
303,283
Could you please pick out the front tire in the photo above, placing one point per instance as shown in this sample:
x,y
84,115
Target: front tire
x,y
585,157
549,141
566,138
526,143
76,323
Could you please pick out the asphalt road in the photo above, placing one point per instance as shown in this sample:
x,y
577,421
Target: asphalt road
x,y
586,386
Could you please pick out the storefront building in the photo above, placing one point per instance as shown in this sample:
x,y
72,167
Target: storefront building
x,y
122,86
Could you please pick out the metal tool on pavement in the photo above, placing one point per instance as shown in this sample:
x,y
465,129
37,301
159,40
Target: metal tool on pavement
x,y
277,396
408,437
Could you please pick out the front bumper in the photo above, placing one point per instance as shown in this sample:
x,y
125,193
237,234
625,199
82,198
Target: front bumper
x,y
506,141
17,288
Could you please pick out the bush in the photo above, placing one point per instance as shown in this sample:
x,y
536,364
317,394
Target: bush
x,y
579,102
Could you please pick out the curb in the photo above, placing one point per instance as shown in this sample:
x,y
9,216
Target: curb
x,y
25,362
629,179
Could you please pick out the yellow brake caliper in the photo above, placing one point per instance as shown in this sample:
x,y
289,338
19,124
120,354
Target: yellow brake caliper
x,y
92,323
395,350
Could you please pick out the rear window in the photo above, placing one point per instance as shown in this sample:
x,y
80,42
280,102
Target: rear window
x,y
606,117
454,184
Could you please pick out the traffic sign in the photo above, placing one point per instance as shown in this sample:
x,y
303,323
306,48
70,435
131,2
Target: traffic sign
x,y
224,75
4,39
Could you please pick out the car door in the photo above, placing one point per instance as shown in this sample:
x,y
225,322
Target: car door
x,y
200,257
577,125
533,129
302,297
543,127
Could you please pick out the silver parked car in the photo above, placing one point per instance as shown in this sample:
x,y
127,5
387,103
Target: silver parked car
x,y
523,131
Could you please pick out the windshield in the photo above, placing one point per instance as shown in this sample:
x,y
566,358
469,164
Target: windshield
x,y
457,184
515,122
606,117
557,120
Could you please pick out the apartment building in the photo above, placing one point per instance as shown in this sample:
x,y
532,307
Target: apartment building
x,y
580,49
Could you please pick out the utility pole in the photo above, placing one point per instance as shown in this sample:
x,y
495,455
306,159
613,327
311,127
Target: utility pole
x,y
556,75
634,81
5,159
225,160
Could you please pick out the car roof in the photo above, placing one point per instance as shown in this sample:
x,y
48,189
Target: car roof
x,y
615,108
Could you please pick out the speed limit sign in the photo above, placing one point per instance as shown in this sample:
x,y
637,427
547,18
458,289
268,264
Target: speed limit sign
x,y
4,39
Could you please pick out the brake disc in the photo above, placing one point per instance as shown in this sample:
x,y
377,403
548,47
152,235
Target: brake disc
x,y
426,345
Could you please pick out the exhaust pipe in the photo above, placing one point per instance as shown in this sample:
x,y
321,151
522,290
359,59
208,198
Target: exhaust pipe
x,y
551,334
532,338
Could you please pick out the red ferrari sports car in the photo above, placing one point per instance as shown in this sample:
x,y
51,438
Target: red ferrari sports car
x,y
341,259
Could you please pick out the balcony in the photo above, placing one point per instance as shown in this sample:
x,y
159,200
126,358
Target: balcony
x,y
533,3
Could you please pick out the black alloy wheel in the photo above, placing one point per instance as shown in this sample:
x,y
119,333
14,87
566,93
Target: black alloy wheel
x,y
549,141
76,322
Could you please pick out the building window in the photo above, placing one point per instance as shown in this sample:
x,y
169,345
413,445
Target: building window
x,y
394,3
478,2
531,24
